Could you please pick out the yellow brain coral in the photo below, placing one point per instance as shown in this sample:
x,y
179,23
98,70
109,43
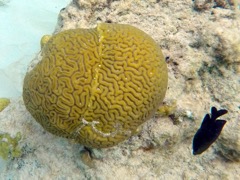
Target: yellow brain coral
x,y
96,85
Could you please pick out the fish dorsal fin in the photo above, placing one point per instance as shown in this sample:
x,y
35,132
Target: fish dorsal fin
x,y
210,120
207,121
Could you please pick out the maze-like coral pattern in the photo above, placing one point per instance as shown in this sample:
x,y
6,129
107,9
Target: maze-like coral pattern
x,y
96,85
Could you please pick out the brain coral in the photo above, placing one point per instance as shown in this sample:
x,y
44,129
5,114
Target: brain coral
x,y
96,85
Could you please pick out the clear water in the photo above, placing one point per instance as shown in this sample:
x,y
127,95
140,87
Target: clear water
x,y
22,26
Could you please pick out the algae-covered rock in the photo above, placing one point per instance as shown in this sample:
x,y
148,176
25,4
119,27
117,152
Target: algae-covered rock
x,y
9,146
4,103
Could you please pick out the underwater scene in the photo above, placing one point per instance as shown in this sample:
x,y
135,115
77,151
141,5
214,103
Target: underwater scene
x,y
120,89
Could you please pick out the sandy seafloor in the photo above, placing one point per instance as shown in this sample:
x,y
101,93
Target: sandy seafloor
x,y
202,43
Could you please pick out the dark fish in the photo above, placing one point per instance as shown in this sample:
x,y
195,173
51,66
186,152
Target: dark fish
x,y
209,131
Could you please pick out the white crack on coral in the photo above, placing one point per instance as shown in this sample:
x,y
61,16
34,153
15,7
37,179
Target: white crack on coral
x,y
93,124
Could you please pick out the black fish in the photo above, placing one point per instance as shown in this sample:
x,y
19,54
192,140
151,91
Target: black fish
x,y
209,131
